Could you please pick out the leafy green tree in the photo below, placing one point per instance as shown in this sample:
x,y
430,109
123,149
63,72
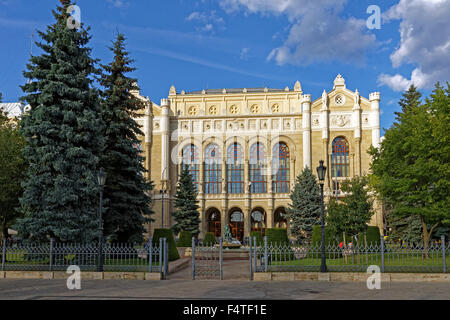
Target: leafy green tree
x,y
355,210
126,189
63,133
304,211
407,228
186,213
12,168
411,169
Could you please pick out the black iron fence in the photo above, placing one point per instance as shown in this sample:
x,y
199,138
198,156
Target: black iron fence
x,y
389,257
53,256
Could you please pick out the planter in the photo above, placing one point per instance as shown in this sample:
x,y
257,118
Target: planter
x,y
182,251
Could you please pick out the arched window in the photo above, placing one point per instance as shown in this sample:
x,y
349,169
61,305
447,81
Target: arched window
x,y
281,168
191,159
258,169
259,221
213,169
340,158
235,168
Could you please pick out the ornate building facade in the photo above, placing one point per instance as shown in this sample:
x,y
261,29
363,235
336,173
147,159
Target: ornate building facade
x,y
245,148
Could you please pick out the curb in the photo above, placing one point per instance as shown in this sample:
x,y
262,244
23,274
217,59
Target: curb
x,y
40,275
350,277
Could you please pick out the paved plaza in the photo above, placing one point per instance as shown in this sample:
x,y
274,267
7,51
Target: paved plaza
x,y
227,290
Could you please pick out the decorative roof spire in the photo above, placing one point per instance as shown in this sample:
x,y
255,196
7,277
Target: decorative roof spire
x,y
339,82
297,86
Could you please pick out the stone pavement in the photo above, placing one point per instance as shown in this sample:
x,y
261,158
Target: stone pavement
x,y
226,290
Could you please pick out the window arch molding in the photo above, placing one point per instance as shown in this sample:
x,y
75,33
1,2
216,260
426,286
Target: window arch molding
x,y
340,157
286,140
258,159
281,168
212,169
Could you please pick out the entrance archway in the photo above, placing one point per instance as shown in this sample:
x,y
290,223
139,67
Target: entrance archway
x,y
214,222
259,221
236,219
280,218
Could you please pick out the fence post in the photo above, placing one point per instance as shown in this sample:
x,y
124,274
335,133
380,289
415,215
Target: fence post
x,y
51,254
382,253
161,250
444,262
250,259
266,255
4,255
255,256
193,258
166,258
221,258
150,255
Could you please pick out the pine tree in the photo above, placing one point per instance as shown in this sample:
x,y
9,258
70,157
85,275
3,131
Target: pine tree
x,y
64,139
411,100
128,203
305,210
186,213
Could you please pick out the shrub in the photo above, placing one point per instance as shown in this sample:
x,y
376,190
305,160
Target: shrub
x,y
185,239
166,233
259,238
209,239
277,236
373,236
330,237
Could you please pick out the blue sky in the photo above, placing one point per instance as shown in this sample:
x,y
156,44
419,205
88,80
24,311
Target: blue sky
x,y
203,44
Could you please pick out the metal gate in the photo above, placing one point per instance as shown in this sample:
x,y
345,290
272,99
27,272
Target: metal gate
x,y
207,261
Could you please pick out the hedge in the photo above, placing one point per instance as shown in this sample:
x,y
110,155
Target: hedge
x,y
277,236
259,238
209,239
373,236
330,237
168,234
185,239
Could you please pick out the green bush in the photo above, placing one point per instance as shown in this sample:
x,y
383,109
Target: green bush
x,y
166,233
330,237
277,236
209,239
185,239
259,238
373,236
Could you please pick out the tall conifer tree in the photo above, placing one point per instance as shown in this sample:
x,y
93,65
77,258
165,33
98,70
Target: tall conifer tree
x,y
305,210
64,139
186,213
128,203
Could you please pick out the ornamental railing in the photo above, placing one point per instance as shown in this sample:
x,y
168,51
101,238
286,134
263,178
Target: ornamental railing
x,y
389,257
53,256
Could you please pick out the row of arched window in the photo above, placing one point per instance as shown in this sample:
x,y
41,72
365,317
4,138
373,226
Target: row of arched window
x,y
340,166
235,168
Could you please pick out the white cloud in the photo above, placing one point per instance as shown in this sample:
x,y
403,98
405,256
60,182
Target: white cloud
x,y
318,33
425,43
209,20
244,53
118,3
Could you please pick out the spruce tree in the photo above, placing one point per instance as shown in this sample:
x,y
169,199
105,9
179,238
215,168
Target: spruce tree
x,y
126,189
305,210
63,132
186,213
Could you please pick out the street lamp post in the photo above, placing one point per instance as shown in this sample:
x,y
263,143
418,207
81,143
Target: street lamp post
x,y
163,192
101,177
321,170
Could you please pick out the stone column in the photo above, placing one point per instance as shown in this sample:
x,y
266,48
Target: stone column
x,y
357,134
148,135
375,118
306,103
165,156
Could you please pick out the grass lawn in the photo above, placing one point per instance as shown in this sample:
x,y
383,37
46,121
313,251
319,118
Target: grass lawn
x,y
395,262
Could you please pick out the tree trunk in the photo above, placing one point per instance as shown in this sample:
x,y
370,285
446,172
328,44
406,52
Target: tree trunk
x,y
426,236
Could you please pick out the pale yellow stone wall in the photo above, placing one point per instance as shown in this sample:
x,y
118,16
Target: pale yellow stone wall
x,y
247,117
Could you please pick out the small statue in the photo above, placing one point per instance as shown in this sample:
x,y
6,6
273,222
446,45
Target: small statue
x,y
357,98
228,237
324,99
